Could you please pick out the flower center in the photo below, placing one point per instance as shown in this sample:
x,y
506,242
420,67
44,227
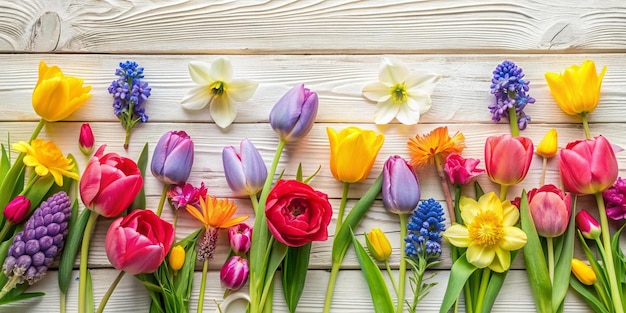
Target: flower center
x,y
217,88
296,208
486,229
398,93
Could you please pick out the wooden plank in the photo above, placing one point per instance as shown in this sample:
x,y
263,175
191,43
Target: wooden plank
x,y
461,96
303,27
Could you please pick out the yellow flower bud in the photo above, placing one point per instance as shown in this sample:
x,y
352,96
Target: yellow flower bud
x,y
378,244
353,152
548,146
577,89
583,272
177,258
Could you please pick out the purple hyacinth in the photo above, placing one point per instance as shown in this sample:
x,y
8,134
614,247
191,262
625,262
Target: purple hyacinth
x,y
423,238
42,239
615,199
510,91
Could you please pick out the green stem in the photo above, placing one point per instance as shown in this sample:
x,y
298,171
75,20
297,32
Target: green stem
x,y
63,304
402,279
84,254
175,219
503,191
255,203
457,204
331,285
444,186
268,283
342,206
586,125
610,267
5,230
550,244
483,289
513,122
393,280
37,130
166,187
32,179
205,269
10,284
543,171
109,292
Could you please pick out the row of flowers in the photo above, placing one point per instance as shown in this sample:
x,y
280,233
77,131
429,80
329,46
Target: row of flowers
x,y
485,232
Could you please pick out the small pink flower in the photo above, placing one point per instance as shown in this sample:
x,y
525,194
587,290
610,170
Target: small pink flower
x,y
86,140
17,210
240,238
461,170
588,225
234,273
615,198
181,195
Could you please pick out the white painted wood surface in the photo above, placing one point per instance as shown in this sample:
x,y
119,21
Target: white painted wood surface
x,y
335,48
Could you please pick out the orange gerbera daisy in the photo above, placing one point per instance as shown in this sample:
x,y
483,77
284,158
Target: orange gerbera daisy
x,y
216,213
424,149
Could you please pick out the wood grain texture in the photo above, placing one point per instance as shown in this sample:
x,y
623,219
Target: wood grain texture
x,y
311,26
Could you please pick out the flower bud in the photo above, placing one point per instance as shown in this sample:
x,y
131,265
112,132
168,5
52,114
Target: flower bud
x,y
378,244
234,273
461,170
293,115
240,238
176,258
401,192
173,158
86,139
548,146
588,225
17,210
583,272
245,170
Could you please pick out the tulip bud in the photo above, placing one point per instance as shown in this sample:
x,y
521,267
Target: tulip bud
x,y
550,210
17,210
245,171
548,146
240,238
234,273
583,272
86,140
401,192
378,244
176,258
293,115
173,158
588,225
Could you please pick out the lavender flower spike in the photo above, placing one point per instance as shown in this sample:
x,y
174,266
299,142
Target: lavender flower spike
x,y
42,239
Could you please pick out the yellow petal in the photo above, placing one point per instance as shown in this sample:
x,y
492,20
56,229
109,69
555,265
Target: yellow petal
x,y
560,92
457,235
501,262
513,238
469,209
548,146
490,202
510,214
480,256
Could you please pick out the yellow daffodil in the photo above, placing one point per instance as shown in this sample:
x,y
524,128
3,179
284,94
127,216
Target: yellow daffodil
x,y
57,96
577,89
548,146
216,213
399,93
488,234
217,88
583,272
47,159
353,152
378,244
176,258
424,149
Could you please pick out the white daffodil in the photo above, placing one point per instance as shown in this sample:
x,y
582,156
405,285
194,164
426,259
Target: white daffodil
x,y
400,94
217,88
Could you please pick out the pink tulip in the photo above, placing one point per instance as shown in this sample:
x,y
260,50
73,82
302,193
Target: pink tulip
x,y
460,170
17,210
110,183
588,225
240,238
138,242
234,273
550,209
507,158
86,139
588,166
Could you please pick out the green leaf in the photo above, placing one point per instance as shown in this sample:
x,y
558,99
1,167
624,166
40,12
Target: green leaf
x,y
342,240
495,285
38,191
306,181
89,303
563,262
17,294
375,281
279,250
11,181
588,294
299,172
593,262
72,243
142,163
5,163
478,190
459,274
535,260
294,270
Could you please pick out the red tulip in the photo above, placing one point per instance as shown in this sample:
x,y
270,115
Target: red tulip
x,y
17,210
588,225
550,209
138,242
588,166
110,183
507,158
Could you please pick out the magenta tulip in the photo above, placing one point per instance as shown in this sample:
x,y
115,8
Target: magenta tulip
x,y
172,158
110,183
17,210
588,225
234,273
245,170
508,158
461,170
401,191
86,139
550,209
293,115
588,166
240,238
138,242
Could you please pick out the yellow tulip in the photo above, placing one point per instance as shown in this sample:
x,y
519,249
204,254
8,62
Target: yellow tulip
x,y
583,272
353,152
56,96
577,89
176,258
378,245
548,146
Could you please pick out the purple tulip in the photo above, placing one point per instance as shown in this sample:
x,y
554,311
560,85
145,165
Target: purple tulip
x,y
401,191
240,238
234,273
245,171
173,158
293,115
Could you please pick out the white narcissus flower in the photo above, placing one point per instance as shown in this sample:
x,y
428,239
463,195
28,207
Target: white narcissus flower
x,y
400,94
217,88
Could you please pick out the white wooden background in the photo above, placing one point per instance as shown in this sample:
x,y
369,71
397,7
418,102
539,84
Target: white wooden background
x,y
335,48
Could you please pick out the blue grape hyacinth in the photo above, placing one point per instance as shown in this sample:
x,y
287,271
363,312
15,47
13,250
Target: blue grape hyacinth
x,y
424,231
511,91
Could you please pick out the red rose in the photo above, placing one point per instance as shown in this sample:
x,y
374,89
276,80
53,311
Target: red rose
x,y
297,214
